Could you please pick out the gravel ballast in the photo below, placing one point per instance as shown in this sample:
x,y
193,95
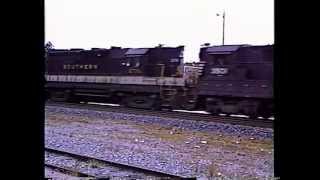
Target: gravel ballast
x,y
176,146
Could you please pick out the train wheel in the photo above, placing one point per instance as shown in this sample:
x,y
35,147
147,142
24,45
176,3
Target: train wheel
x,y
142,102
215,111
156,106
116,100
265,111
253,113
265,114
47,96
253,116
59,96
213,108
189,107
250,108
166,107
228,114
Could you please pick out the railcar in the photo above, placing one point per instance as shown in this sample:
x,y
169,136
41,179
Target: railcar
x,y
135,77
229,79
237,79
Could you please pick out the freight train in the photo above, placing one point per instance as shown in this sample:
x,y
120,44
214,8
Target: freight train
x,y
229,79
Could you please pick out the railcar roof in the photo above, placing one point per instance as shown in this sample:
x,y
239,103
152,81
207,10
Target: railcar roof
x,y
223,49
118,53
228,49
122,52
137,51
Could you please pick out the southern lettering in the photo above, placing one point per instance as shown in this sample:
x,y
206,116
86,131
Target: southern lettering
x,y
80,66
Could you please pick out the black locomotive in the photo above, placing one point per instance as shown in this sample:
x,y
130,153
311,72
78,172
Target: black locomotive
x,y
231,79
237,79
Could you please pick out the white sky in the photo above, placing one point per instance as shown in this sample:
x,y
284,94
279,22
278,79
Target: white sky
x,y
147,23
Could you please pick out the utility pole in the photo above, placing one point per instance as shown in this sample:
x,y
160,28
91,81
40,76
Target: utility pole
x,y
223,25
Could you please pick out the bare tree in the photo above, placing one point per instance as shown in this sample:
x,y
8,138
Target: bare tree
x,y
49,46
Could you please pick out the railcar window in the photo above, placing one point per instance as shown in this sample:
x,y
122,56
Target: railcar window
x,y
218,60
134,62
174,60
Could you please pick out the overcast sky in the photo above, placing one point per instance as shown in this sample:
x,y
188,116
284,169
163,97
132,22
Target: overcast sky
x,y
147,23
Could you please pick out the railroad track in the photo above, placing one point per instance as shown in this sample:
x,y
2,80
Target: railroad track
x,y
68,171
264,123
112,169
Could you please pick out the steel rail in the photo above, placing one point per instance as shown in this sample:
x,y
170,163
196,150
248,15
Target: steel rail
x,y
157,173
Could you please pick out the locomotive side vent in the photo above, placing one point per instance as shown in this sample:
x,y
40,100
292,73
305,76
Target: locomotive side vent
x,y
200,67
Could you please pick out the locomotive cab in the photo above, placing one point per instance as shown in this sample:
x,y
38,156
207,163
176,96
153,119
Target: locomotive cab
x,y
135,60
237,80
